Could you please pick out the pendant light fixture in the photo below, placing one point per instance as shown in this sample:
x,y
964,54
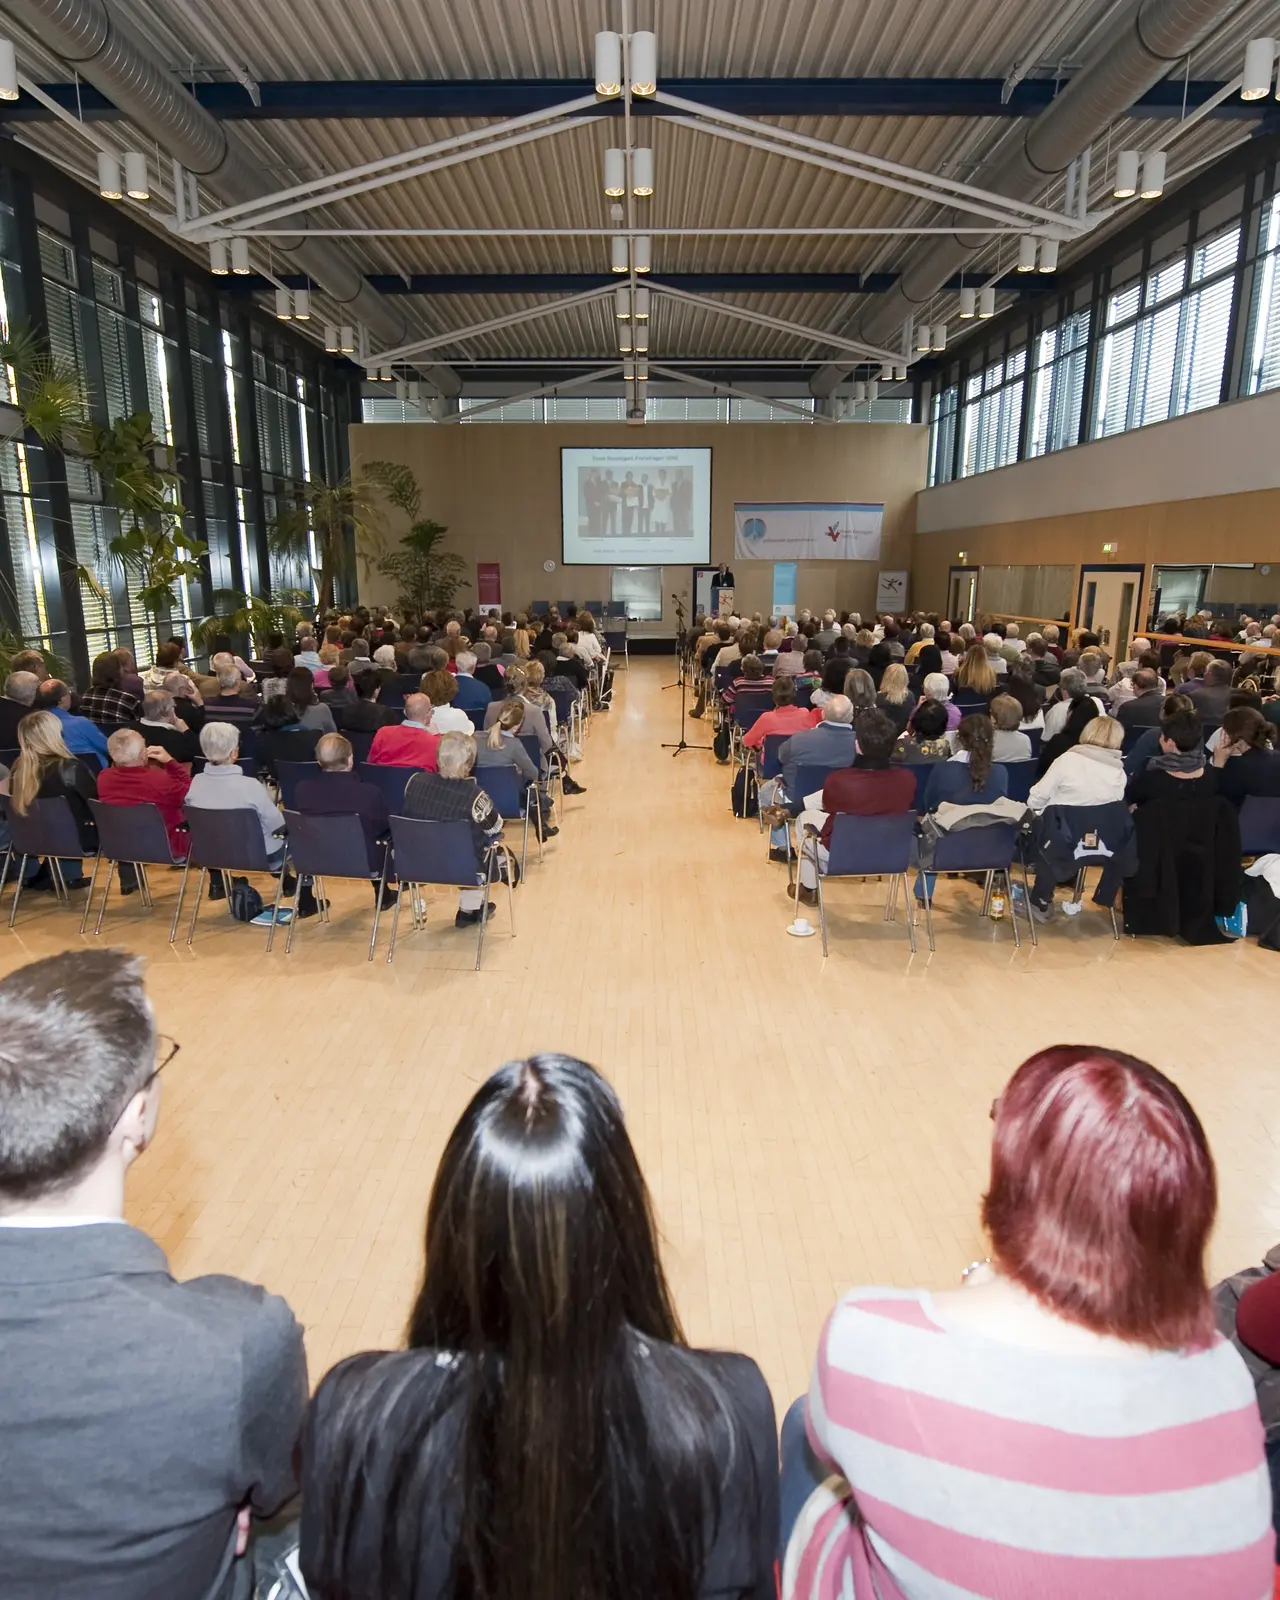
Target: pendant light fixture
x,y
284,305
1048,255
968,304
938,336
1153,169
240,257
615,173
644,64
608,65
622,303
136,183
641,302
8,71
1027,253
1259,65
642,172
110,182
987,301
642,253
302,305
219,265
1126,183
618,253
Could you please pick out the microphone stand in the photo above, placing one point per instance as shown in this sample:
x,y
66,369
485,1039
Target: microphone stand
x,y
682,682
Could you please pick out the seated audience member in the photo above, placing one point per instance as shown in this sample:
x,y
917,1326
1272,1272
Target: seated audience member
x,y
535,692
281,735
107,702
1044,665
220,645
410,743
365,715
187,699
20,690
1093,1306
810,673
1073,689
925,637
441,688
1212,696
143,774
130,681
1179,769
306,654
234,694
878,661
337,791
492,676
449,793
1021,684
168,659
165,1411
860,691
1006,718
828,744
223,786
1142,708
871,787
833,676
969,777
340,693
786,717
937,689
926,739
569,664
161,725
535,722
47,770
473,695
991,648
975,679
1090,773
538,1381
81,737
1244,758
501,747
895,698
302,695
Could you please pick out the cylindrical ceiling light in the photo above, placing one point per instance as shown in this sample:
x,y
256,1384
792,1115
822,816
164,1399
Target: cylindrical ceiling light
x,y
1126,184
1048,255
642,253
641,302
642,371
218,262
8,71
402,390
624,338
968,304
873,390
386,375
302,305
1153,167
987,301
347,341
922,338
859,392
628,372
644,63
622,303
284,305
110,183
886,372
642,336
618,253
615,173
1027,253
900,372
331,339
938,336
136,183
642,172
1259,64
608,65
415,392
240,257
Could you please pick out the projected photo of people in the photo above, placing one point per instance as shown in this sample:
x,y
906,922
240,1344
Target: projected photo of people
x,y
627,503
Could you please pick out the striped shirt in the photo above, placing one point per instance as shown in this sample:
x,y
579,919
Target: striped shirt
x,y
973,1468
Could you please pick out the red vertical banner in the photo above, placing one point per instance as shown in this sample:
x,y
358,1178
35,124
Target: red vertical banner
x,y
488,583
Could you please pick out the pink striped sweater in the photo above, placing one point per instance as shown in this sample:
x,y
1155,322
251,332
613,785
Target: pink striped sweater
x,y
964,1468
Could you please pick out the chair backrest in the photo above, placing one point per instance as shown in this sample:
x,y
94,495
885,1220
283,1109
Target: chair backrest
x,y
534,749
770,766
922,771
863,846
48,829
360,740
230,839
391,780
327,847
539,608
476,713
8,757
234,711
1020,776
408,682
1034,735
392,696
505,787
289,774
811,778
976,849
1259,825
615,638
563,699
132,833
1131,738
749,705
434,852
724,676
804,695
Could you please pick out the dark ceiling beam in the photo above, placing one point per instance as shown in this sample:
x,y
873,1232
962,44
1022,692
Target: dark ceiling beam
x,y
378,99
554,283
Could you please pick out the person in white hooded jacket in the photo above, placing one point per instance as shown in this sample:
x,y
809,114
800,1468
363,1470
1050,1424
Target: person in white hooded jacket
x,y
1091,773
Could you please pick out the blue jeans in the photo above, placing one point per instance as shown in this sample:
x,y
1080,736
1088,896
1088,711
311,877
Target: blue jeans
x,y
802,1473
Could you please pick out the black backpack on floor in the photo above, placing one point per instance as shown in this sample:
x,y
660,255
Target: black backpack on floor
x,y
745,794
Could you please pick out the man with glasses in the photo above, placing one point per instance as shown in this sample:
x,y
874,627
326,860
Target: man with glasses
x,y
144,1421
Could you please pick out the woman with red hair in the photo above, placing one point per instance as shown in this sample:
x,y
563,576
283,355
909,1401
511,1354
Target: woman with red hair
x,y
1068,1423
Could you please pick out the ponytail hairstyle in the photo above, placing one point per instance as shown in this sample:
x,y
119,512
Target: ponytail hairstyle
x,y
977,735
1243,724
510,719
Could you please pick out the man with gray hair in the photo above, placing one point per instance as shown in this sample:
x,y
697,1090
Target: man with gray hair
x,y
992,643
145,774
451,794
472,695
1073,685
224,786
160,725
828,633
336,790
827,746
19,698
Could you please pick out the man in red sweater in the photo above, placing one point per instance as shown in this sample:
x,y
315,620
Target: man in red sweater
x,y
869,788
409,743
146,775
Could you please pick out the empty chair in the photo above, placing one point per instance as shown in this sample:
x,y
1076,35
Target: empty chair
x,y
515,798
289,774
1259,825
988,849
391,780
133,835
616,640
226,841
48,829
329,847
443,853
866,847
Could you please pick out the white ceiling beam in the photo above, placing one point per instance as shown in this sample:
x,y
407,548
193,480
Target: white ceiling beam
x,y
738,394
856,347
581,382
985,229
383,358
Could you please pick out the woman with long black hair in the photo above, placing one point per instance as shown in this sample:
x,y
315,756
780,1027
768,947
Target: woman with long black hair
x,y
547,1435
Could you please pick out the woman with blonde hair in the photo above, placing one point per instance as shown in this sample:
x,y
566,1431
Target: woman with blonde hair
x,y
501,747
522,644
535,695
47,770
895,698
975,678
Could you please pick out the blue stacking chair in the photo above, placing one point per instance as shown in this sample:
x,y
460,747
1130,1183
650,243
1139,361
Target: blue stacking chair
x,y
135,835
1034,735
988,849
289,774
1021,775
1260,825
8,757
809,779
539,608
565,702
476,713
555,762
804,696
770,765
48,829
1131,738
391,780
329,847
615,640
360,740
866,847
225,841
922,771
443,853
515,798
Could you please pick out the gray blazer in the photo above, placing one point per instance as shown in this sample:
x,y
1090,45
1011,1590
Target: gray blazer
x,y
137,1415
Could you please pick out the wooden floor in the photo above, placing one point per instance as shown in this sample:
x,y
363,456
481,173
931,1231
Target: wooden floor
x,y
803,1124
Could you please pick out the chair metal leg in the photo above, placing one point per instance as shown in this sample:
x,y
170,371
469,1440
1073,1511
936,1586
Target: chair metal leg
x,y
195,910
511,889
1115,926
106,894
293,920
484,909
986,893
524,840
93,883
911,908
144,885
928,908
411,889
177,910
17,888
4,869
59,882
1013,910
275,904
377,904
822,904
1026,896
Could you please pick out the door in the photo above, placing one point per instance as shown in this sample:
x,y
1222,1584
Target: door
x,y
1108,606
962,595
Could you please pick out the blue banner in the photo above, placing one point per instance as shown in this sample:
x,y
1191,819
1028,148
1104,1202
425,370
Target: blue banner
x,y
785,576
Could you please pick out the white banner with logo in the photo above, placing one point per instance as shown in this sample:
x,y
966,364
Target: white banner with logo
x,y
807,530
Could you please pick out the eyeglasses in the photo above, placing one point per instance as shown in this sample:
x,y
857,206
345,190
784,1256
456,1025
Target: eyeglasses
x,y
166,1049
